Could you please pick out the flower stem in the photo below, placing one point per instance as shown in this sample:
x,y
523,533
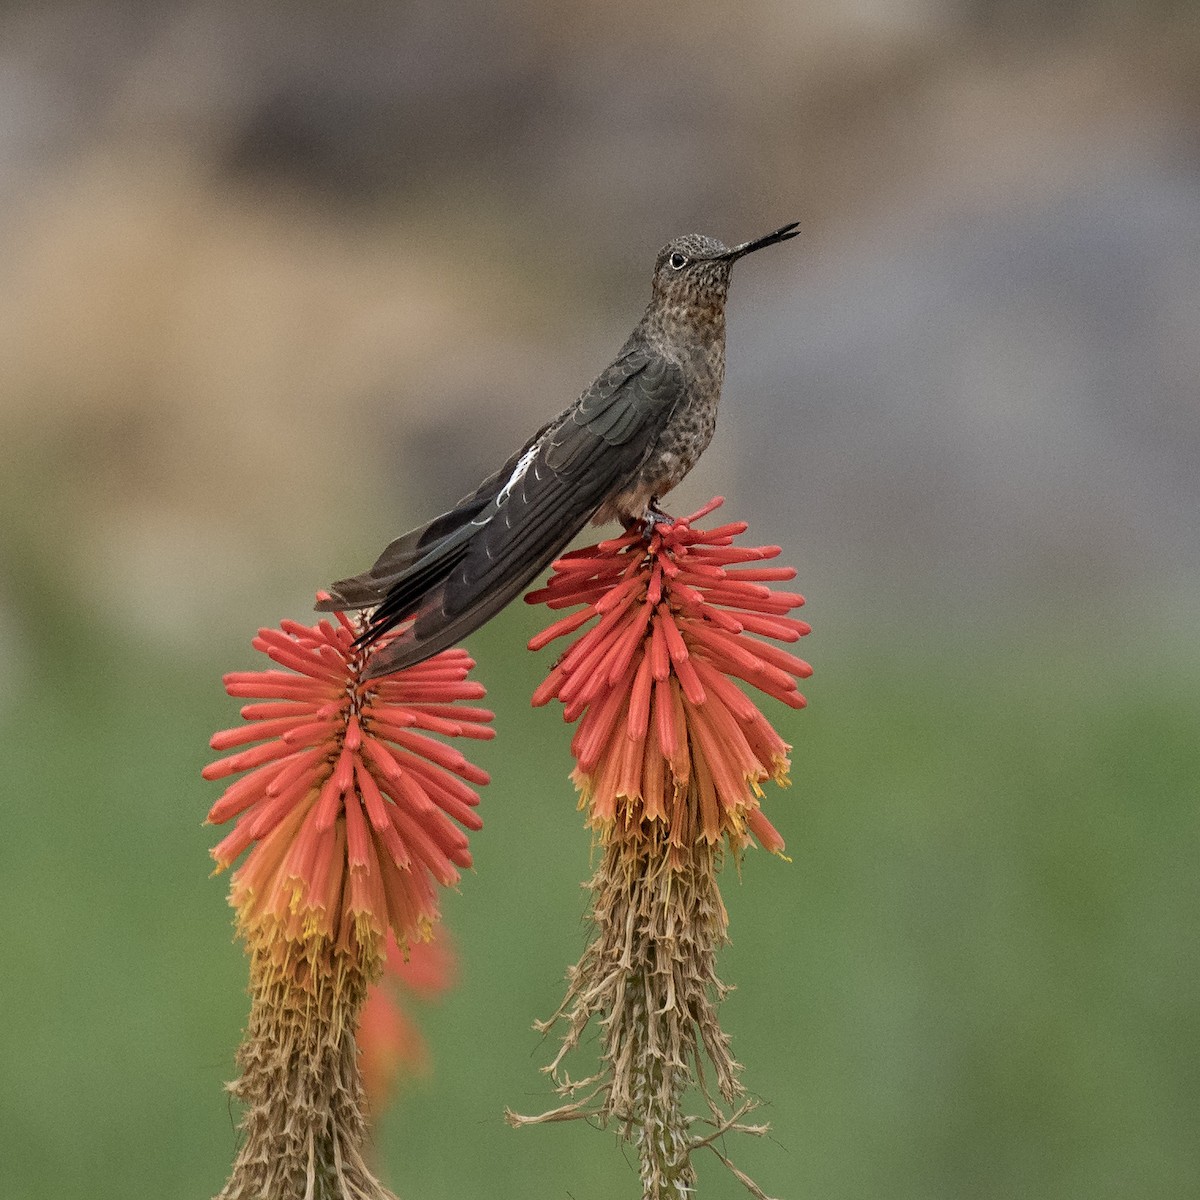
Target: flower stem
x,y
304,1124
658,1123
649,978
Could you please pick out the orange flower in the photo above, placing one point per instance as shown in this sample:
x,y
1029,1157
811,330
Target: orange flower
x,y
651,684
670,755
349,803
351,812
388,1038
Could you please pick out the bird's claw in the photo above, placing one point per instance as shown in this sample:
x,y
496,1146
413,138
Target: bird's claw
x,y
655,517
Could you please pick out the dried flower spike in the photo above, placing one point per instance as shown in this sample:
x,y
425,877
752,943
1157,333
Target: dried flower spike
x,y
671,755
350,811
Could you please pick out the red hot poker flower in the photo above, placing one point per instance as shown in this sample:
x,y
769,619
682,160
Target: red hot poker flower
x,y
350,805
351,812
664,733
670,757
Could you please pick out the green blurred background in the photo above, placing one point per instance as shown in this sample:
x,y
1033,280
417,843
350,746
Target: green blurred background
x,y
281,280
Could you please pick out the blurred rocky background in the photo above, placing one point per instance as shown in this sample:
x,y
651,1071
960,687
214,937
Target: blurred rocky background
x,y
283,279
278,281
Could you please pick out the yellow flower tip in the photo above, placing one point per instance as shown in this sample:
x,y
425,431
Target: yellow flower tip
x,y
603,827
367,927
781,773
315,924
629,805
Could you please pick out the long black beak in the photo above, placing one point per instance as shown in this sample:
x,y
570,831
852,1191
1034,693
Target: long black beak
x,y
770,239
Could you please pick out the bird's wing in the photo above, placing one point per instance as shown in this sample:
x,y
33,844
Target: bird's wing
x,y
593,450
553,489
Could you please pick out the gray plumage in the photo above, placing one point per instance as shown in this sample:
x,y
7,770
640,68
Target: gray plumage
x,y
612,455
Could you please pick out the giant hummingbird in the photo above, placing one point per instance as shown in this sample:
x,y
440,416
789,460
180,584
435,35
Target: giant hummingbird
x,y
612,455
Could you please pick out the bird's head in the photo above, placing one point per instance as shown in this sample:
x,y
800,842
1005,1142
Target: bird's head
x,y
692,271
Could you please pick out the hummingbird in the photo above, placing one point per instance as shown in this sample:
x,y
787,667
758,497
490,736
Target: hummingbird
x,y
612,455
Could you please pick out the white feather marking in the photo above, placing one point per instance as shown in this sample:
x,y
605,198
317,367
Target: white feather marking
x,y
518,472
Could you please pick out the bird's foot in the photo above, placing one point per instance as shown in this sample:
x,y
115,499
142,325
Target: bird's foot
x,y
654,517
651,518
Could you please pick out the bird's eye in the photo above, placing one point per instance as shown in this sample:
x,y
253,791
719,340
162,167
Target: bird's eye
x,y
678,261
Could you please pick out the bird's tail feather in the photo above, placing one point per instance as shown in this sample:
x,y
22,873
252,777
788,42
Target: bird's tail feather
x,y
411,647
405,592
370,587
